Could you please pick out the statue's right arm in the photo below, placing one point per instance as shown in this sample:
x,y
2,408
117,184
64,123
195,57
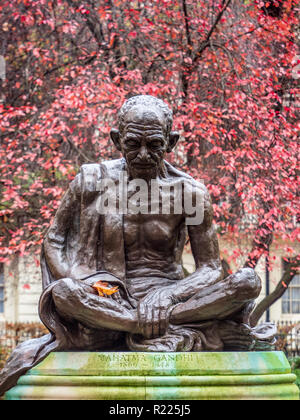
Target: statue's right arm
x,y
55,242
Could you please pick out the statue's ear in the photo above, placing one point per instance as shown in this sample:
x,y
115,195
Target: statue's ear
x,y
173,139
115,136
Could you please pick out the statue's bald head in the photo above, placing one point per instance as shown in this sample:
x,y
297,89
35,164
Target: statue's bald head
x,y
144,135
145,104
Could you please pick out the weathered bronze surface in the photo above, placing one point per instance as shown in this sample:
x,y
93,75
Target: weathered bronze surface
x,y
156,308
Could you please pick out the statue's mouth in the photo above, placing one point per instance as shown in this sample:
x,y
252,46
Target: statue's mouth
x,y
144,165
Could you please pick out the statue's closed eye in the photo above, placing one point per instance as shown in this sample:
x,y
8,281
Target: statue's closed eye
x,y
132,143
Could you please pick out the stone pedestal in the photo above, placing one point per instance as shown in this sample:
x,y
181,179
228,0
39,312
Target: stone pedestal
x,y
159,376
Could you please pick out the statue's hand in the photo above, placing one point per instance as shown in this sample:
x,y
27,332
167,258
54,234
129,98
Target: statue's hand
x,y
153,313
109,280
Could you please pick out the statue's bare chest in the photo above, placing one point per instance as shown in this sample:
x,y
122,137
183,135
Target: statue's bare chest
x,y
157,232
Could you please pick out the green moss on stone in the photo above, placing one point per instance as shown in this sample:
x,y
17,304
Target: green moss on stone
x,y
164,376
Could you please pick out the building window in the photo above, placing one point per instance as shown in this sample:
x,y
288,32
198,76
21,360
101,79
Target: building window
x,y
291,298
1,289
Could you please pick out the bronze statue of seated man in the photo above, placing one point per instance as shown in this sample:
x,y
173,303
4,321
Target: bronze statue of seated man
x,y
156,308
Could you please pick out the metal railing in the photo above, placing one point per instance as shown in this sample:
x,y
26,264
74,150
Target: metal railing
x,y
288,337
13,334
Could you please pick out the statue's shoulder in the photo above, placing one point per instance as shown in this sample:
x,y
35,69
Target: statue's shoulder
x,y
112,168
187,179
90,174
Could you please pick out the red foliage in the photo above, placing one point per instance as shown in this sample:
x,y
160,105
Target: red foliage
x,y
226,70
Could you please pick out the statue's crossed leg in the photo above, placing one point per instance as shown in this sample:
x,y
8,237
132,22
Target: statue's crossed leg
x,y
76,300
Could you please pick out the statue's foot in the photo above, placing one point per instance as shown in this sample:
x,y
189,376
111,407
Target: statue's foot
x,y
168,343
201,337
241,337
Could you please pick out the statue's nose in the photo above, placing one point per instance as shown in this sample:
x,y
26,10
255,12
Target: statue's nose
x,y
143,153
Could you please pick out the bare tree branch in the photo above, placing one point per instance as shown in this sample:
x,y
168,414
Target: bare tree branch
x,y
79,151
206,42
281,288
187,27
93,23
261,244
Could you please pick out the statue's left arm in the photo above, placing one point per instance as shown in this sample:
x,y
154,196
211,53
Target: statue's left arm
x,y
205,249
55,242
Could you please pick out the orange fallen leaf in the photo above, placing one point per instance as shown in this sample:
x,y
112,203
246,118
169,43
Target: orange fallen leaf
x,y
103,289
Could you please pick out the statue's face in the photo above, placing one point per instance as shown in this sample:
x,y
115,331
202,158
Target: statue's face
x,y
144,141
